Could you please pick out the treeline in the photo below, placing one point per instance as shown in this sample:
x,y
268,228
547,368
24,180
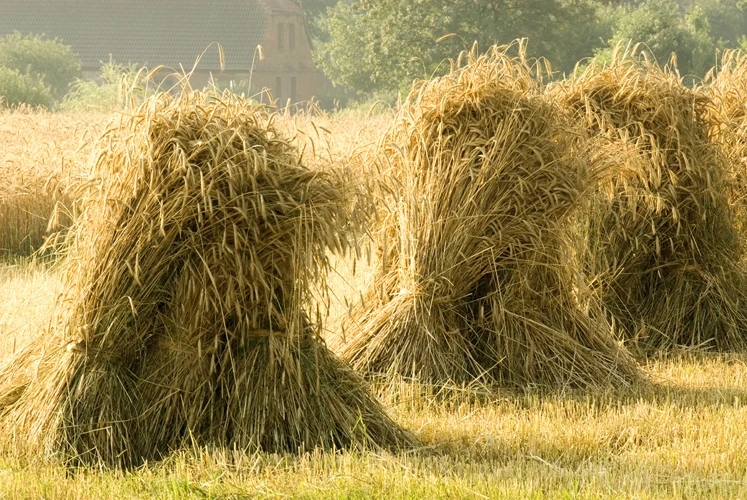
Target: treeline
x,y
378,47
39,72
35,71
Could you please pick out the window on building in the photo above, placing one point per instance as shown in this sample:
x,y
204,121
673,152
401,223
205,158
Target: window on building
x,y
293,89
279,89
291,37
281,36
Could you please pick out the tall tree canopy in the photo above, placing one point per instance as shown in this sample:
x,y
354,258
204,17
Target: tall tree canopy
x,y
382,45
45,62
660,26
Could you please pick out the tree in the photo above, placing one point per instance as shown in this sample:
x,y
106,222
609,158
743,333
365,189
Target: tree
x,y
662,29
727,19
382,45
90,95
18,88
46,62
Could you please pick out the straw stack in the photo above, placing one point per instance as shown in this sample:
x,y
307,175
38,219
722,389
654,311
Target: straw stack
x,y
185,321
727,87
661,243
479,184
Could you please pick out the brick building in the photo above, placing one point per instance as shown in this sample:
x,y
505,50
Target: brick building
x,y
174,33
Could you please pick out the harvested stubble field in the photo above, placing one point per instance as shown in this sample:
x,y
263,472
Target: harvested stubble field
x,y
682,435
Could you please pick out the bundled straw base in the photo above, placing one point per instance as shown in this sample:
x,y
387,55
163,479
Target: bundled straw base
x,y
265,399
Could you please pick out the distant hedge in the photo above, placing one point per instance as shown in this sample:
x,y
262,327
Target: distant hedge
x,y
42,62
21,88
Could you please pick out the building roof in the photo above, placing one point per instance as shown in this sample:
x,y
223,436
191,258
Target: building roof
x,y
146,32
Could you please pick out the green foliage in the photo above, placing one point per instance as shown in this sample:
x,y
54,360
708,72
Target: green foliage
x,y
47,62
381,46
563,31
90,95
663,30
727,19
18,88
704,47
655,23
316,11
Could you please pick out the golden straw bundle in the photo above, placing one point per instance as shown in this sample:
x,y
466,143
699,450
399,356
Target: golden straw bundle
x,y
661,243
30,208
185,320
473,283
727,88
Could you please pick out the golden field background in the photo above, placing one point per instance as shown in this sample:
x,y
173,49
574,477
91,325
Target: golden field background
x,y
684,435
